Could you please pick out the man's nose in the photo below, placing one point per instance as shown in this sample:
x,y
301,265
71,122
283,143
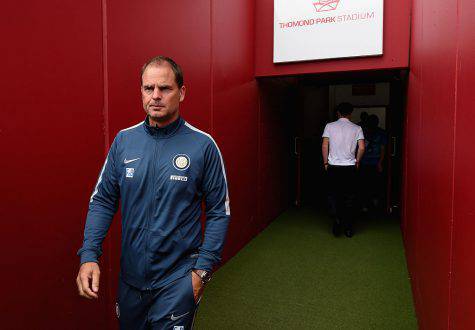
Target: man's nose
x,y
156,93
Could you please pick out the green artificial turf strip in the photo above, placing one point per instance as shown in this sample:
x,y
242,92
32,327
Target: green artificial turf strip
x,y
296,275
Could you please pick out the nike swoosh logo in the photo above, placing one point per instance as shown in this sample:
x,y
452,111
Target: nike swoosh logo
x,y
126,161
174,318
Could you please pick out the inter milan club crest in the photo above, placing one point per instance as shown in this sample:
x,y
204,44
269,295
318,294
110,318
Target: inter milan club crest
x,y
181,162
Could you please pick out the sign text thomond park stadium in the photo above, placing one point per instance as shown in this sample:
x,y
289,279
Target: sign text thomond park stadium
x,y
327,20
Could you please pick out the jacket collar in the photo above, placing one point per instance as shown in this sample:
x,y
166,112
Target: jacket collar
x,y
163,132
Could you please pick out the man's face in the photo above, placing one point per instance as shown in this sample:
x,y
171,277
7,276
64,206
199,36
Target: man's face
x,y
161,95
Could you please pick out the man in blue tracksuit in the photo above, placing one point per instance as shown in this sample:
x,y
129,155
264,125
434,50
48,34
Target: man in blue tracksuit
x,y
161,170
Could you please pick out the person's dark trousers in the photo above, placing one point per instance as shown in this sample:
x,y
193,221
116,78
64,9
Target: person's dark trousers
x,y
342,182
371,186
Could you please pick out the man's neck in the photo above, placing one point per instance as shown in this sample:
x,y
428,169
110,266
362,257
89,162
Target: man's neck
x,y
160,124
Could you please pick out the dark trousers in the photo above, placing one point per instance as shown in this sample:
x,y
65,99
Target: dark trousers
x,y
342,183
170,307
371,186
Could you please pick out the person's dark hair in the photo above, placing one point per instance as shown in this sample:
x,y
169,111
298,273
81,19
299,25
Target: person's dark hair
x,y
373,121
364,116
158,60
344,108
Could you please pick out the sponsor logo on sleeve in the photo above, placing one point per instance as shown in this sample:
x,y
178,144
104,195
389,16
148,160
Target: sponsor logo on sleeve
x,y
129,172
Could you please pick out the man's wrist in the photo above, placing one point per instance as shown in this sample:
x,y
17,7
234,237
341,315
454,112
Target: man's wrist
x,y
204,275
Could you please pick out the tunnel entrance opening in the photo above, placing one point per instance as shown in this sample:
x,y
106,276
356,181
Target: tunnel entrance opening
x,y
297,108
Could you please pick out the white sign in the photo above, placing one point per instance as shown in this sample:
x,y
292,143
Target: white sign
x,y
322,29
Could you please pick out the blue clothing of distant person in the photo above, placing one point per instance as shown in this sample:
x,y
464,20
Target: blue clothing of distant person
x,y
375,143
371,181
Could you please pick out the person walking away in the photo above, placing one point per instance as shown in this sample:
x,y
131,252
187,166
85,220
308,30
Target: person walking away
x,y
342,149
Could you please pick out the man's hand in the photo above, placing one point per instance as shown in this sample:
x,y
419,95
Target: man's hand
x,y
380,167
198,286
88,280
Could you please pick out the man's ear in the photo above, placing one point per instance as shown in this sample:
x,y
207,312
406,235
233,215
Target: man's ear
x,y
182,93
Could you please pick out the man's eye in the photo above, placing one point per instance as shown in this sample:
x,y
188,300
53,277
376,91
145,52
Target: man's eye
x,y
148,89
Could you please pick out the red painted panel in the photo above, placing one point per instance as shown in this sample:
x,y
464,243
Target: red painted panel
x,y
149,28
275,149
436,155
463,292
395,47
235,113
411,210
429,163
412,164
52,146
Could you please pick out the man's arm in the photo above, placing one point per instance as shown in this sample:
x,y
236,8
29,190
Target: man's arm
x,y
326,145
102,207
360,152
325,148
361,146
215,189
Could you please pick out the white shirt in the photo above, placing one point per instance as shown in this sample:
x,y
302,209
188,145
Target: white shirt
x,y
343,136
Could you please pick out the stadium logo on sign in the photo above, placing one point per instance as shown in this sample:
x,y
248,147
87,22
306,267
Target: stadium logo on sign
x,y
326,5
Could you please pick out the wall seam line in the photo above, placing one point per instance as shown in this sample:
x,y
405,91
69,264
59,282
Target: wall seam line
x,y
211,66
418,161
411,12
105,107
105,115
454,138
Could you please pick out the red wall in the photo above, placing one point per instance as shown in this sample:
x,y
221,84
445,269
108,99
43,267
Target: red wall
x,y
395,46
52,144
463,269
61,115
439,215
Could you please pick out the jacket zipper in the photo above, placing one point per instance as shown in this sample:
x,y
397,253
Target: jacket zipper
x,y
150,211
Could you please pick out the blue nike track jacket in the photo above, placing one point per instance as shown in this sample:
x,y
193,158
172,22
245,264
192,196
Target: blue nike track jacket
x,y
161,176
